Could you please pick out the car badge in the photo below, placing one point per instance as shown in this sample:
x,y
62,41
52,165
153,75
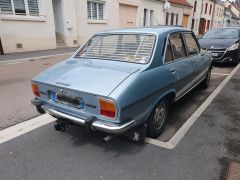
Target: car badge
x,y
212,46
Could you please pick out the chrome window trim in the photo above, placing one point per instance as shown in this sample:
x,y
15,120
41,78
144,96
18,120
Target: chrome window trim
x,y
194,37
174,60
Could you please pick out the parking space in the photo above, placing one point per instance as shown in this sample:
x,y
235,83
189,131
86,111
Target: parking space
x,y
182,110
209,150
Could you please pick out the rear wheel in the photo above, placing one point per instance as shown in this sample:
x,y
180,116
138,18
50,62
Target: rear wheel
x,y
158,119
206,81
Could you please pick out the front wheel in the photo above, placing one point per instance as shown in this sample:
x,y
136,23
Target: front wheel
x,y
158,119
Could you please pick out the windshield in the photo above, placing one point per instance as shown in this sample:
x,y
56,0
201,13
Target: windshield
x,y
226,33
119,47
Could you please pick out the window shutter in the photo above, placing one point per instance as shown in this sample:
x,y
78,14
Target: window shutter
x,y
89,9
33,7
100,11
19,6
5,6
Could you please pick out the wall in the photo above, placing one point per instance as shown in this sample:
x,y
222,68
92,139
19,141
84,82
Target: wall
x,y
158,16
181,10
196,15
35,33
58,17
89,27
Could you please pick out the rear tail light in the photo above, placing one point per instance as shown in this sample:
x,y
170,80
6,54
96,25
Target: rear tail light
x,y
107,108
35,89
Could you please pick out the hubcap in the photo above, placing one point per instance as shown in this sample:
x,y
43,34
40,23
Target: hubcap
x,y
159,116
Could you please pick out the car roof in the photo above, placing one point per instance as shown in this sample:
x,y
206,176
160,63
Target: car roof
x,y
151,29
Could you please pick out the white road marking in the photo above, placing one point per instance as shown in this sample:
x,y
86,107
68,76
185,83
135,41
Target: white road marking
x,y
24,127
23,60
27,126
220,74
173,142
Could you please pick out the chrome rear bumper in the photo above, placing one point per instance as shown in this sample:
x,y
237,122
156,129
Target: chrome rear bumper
x,y
95,124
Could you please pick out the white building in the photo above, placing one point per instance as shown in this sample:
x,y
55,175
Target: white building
x,y
29,25
218,15
180,13
231,15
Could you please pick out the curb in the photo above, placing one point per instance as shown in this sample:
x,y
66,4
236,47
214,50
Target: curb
x,y
17,61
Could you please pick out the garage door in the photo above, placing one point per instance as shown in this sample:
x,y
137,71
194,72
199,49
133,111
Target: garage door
x,y
127,15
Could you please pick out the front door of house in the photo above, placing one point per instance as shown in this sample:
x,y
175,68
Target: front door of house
x,y
202,26
185,20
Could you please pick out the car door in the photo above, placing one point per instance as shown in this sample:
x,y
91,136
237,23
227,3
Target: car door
x,y
178,64
200,65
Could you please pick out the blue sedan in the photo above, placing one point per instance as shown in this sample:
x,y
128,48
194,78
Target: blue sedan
x,y
123,81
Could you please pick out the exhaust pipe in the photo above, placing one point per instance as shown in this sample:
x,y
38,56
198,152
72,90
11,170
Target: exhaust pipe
x,y
108,138
40,109
38,105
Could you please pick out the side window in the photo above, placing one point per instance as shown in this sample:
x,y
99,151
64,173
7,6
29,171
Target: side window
x,y
191,43
168,55
178,48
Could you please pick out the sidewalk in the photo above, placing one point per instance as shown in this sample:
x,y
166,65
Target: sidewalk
x,y
23,55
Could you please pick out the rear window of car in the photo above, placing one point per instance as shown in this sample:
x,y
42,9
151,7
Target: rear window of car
x,y
135,48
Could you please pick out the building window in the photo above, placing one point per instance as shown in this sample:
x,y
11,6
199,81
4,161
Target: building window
x,y
145,17
167,14
206,8
5,6
33,7
151,17
172,18
176,19
195,6
210,11
95,10
19,7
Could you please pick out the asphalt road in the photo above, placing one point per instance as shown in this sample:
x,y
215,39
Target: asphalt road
x,y
206,151
16,92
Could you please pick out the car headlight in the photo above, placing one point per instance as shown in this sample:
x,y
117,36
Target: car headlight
x,y
233,47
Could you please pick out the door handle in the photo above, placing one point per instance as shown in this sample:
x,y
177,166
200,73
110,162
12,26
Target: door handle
x,y
194,62
172,70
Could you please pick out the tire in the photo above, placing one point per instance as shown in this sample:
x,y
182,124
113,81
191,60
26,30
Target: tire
x,y
236,62
205,83
158,119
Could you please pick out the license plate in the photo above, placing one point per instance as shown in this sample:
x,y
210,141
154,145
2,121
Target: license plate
x,y
67,100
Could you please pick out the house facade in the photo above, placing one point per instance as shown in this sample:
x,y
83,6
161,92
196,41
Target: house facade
x,y
26,25
179,14
29,25
218,15
231,15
